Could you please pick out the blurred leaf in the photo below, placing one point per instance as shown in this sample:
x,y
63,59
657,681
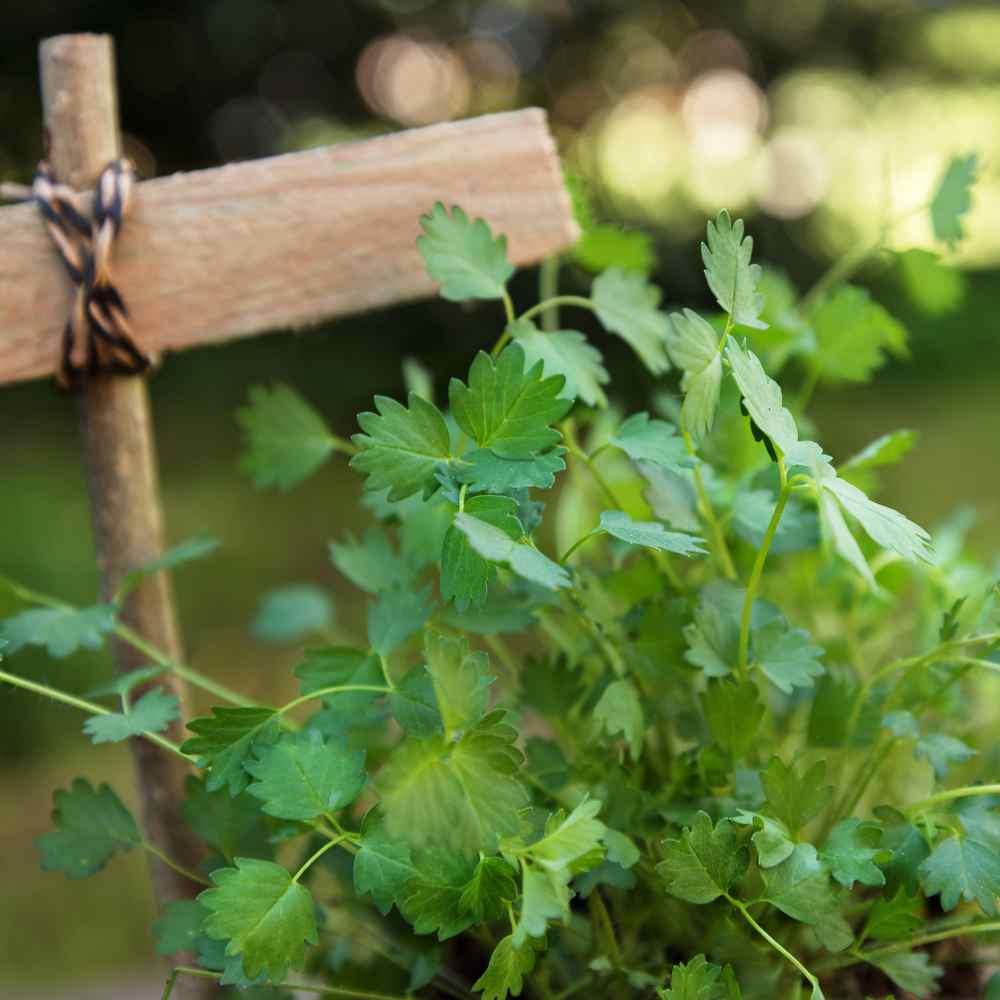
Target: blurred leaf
x,y
289,614
694,347
396,615
461,680
795,798
463,256
60,630
179,926
267,918
930,285
627,304
193,548
382,866
786,656
953,198
734,712
771,838
604,245
620,711
230,824
122,684
152,713
371,564
912,971
851,850
798,529
697,979
506,971
656,441
729,273
566,353
942,750
286,439
894,919
91,826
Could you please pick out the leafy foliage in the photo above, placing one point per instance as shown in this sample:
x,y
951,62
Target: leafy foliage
x,y
724,751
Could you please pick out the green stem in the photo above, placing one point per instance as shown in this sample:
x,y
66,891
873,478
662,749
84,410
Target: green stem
x,y
307,864
758,567
548,288
559,300
508,306
967,791
574,987
342,445
329,991
719,546
86,706
193,678
774,943
603,920
857,788
336,689
577,544
170,863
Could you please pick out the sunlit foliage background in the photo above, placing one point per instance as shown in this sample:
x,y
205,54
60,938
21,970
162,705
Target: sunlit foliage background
x,y
818,120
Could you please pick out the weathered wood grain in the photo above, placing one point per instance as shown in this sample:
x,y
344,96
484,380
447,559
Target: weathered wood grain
x,y
289,240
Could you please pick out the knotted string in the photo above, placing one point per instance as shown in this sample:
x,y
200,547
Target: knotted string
x,y
97,336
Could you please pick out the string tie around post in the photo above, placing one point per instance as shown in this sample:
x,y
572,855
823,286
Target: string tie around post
x,y
97,336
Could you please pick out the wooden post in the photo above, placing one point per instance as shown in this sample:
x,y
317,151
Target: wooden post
x,y
81,119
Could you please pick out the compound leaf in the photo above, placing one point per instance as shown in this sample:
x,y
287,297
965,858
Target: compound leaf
x,y
152,713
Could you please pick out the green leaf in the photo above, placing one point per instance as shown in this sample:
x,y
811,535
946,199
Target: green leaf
x,y
464,795
400,448
60,630
461,680
91,826
787,656
771,838
396,615
798,529
492,886
885,450
942,750
432,900
286,439
961,868
268,918
907,850
762,397
545,896
851,850
886,527
303,776
496,546
372,564
179,926
912,971
507,409
566,353
341,666
568,839
152,713
620,711
225,740
192,549
993,987
698,979
463,256
656,441
465,574
483,470
729,273
795,798
289,614
671,496
894,919
953,199
506,971
230,824
734,712
620,849
694,346
649,534
122,684
414,705
852,332
627,304
800,886
382,866
705,862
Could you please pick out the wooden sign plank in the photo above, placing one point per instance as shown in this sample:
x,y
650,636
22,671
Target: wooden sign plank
x,y
289,240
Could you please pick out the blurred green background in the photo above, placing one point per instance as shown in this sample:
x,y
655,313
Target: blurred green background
x,y
811,118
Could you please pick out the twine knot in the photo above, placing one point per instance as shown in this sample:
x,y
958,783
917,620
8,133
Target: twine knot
x,y
97,336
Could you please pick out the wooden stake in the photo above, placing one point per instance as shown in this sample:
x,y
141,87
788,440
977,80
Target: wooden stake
x,y
81,119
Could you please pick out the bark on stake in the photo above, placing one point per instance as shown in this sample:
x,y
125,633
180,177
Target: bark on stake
x,y
80,104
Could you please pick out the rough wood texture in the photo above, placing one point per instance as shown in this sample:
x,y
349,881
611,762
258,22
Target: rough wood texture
x,y
290,240
80,104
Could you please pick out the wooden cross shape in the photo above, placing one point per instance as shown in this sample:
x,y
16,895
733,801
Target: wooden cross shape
x,y
231,252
